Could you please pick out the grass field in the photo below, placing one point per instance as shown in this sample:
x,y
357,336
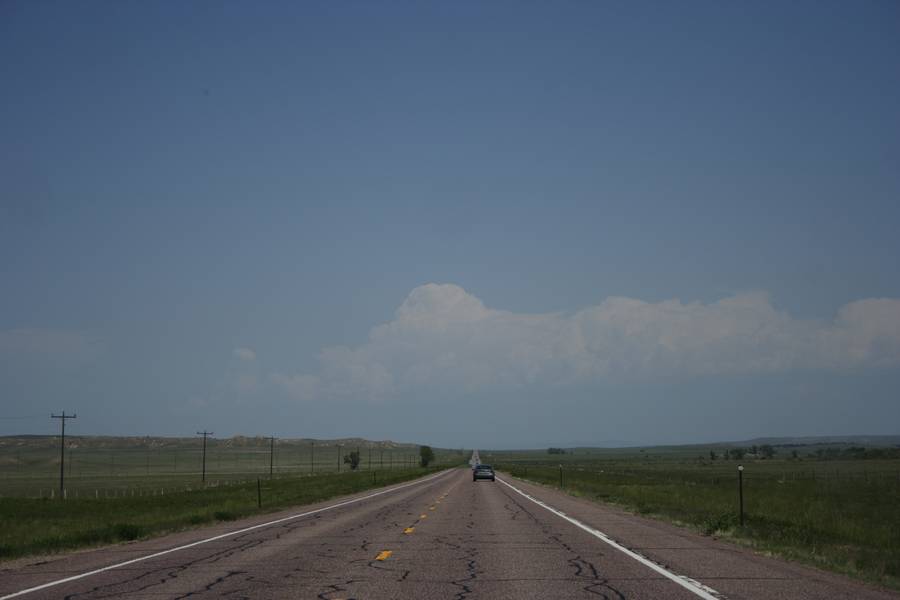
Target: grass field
x,y
843,515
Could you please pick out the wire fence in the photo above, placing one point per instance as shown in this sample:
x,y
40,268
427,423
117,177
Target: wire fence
x,y
136,466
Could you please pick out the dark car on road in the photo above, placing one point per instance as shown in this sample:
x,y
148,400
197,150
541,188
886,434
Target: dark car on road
x,y
483,472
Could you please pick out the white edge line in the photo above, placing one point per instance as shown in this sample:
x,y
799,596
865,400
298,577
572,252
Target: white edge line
x,y
705,592
217,537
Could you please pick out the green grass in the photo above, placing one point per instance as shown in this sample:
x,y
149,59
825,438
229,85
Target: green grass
x,y
36,526
839,515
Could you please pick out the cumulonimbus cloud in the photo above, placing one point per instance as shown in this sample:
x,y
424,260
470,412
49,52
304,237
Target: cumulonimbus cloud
x,y
444,336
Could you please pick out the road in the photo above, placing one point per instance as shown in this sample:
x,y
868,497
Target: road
x,y
436,538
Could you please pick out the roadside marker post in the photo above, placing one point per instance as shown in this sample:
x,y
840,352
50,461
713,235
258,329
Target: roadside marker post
x,y
741,493
204,433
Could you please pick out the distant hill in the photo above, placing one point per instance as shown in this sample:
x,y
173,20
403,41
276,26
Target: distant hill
x,y
619,446
853,440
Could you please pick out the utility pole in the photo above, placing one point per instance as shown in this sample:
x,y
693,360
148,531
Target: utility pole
x,y
271,457
204,433
339,457
312,456
62,450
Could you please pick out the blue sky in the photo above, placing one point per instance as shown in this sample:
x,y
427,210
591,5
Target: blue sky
x,y
206,211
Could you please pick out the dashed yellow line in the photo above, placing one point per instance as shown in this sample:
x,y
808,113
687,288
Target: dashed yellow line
x,y
384,554
423,516
409,530
431,507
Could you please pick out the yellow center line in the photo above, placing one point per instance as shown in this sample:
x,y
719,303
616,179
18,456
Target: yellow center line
x,y
431,508
384,554
409,530
423,516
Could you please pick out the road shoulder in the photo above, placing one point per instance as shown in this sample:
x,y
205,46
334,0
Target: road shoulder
x,y
734,570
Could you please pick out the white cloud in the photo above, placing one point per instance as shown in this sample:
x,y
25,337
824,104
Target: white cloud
x,y
245,354
442,336
246,383
301,387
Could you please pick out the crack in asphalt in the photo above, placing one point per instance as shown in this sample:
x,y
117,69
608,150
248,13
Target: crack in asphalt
x,y
103,591
381,569
209,586
471,575
335,588
469,555
576,561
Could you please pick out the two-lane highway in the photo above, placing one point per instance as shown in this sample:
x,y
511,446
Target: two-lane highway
x,y
439,537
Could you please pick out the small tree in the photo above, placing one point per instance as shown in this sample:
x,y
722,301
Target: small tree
x,y
426,455
737,453
712,455
352,459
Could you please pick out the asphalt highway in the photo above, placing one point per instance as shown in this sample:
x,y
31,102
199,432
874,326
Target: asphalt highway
x,y
440,537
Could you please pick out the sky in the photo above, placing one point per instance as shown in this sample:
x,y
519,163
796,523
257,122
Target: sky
x,y
478,225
